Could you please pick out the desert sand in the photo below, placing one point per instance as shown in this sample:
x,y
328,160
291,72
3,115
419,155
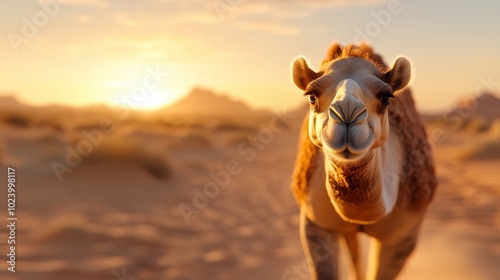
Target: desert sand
x,y
117,214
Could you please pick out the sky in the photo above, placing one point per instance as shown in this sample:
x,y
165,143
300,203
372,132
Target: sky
x,y
86,52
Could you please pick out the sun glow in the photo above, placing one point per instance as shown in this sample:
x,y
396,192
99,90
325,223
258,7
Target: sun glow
x,y
156,99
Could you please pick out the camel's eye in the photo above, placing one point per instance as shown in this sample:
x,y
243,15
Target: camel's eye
x,y
386,98
312,99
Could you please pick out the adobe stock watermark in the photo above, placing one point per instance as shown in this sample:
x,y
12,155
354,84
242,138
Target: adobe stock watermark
x,y
222,7
122,275
123,106
380,19
31,25
248,150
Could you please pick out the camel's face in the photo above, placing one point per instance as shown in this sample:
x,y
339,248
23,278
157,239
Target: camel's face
x,y
349,100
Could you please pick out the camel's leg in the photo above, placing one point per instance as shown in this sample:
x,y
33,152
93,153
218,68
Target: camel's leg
x,y
321,248
354,250
391,257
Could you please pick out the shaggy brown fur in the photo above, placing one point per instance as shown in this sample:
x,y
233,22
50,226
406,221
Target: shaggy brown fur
x,y
350,182
365,51
305,163
418,180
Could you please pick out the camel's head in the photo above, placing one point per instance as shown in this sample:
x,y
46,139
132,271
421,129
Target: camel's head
x,y
349,97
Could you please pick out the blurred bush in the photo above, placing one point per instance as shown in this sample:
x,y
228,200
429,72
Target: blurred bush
x,y
17,119
476,125
116,148
482,149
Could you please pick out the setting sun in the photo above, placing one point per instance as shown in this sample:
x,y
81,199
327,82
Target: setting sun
x,y
157,99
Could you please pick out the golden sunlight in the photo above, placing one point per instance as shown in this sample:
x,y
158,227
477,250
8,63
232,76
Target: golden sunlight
x,y
157,99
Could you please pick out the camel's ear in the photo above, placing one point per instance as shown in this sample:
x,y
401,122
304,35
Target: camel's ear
x,y
400,74
302,74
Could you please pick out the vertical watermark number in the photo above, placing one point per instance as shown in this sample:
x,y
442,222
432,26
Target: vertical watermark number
x,y
11,219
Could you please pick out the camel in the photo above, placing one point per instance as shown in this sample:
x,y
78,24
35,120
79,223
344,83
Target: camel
x,y
364,164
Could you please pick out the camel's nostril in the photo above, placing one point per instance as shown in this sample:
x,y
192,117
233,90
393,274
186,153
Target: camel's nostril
x,y
348,111
336,114
360,116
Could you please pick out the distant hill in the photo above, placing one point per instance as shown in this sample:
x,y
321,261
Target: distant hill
x,y
485,106
202,101
8,100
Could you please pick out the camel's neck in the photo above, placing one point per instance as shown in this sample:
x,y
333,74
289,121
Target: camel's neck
x,y
365,191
